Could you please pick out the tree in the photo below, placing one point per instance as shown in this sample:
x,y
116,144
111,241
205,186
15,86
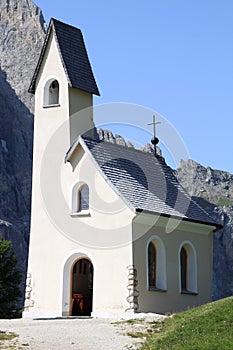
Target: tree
x,y
10,278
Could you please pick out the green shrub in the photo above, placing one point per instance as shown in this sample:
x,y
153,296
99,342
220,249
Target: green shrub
x,y
10,278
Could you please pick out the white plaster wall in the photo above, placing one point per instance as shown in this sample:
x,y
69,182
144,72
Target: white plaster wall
x,y
105,235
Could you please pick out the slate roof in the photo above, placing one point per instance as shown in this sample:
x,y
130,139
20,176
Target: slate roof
x,y
73,55
146,182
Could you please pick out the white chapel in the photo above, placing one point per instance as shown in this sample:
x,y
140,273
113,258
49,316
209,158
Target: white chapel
x,y
112,230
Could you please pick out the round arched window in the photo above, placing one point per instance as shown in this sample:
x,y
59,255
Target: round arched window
x,y
51,93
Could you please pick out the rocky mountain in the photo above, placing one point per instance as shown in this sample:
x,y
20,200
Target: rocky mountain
x,y
213,190
22,31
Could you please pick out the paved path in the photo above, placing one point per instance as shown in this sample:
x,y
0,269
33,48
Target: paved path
x,y
66,334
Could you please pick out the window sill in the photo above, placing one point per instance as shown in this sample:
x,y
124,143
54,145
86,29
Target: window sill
x,y
80,213
188,292
52,106
153,289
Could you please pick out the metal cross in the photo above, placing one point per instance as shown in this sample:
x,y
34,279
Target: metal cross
x,y
155,139
154,123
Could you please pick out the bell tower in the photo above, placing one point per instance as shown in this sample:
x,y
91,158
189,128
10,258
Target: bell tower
x,y
63,83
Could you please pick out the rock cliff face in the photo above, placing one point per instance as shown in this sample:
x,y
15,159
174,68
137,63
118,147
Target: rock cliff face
x,y
213,190
22,31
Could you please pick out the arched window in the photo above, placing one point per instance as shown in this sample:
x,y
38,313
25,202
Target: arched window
x,y
152,265
188,268
156,264
80,199
83,198
183,269
51,93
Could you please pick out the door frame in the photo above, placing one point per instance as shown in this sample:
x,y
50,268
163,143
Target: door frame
x,y
66,282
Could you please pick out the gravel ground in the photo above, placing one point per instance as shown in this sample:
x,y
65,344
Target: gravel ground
x,y
75,334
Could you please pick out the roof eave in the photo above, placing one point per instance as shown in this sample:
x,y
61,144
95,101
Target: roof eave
x,y
218,226
33,81
97,93
73,148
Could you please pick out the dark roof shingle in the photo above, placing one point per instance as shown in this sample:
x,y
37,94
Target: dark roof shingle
x,y
74,57
146,182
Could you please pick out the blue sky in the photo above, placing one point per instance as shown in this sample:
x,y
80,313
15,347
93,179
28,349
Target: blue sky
x,y
171,56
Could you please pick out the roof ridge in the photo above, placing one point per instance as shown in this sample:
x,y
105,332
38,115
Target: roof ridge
x,y
133,149
65,24
59,49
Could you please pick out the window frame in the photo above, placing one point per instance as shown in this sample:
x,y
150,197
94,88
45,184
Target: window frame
x,y
160,265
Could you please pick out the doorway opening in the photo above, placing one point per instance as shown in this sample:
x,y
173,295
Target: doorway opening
x,y
82,288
